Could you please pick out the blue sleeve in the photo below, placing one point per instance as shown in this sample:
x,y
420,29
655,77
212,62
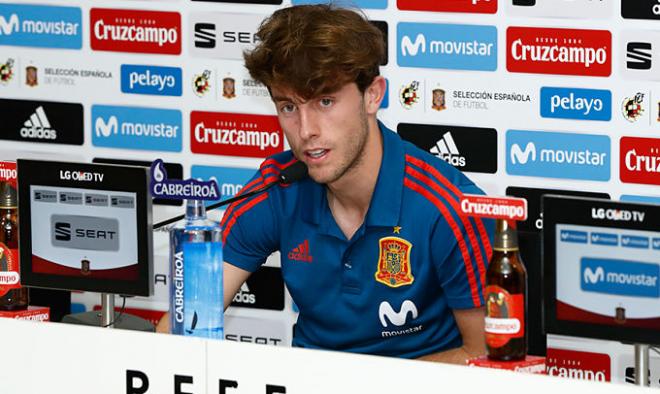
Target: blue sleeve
x,y
250,228
462,249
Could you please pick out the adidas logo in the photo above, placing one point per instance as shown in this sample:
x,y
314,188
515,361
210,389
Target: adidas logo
x,y
301,253
38,126
446,149
243,296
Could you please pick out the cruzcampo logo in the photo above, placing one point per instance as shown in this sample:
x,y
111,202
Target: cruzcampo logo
x,y
394,262
189,189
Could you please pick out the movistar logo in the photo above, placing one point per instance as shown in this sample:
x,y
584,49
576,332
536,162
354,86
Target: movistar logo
x,y
10,26
40,26
521,156
594,276
386,312
620,277
558,155
410,48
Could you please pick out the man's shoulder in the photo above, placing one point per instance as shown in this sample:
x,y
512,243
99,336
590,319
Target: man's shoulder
x,y
434,167
278,161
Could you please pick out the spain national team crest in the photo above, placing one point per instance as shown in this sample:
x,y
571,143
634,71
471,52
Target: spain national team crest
x,y
394,262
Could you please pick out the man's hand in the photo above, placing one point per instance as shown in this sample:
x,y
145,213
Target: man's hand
x,y
233,278
163,325
470,323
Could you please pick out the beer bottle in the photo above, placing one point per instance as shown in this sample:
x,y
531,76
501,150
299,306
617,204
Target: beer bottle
x,y
12,295
506,297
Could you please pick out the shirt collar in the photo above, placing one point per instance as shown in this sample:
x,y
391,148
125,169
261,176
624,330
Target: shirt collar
x,y
385,206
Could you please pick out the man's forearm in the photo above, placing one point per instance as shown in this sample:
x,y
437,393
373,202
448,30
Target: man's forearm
x,y
458,355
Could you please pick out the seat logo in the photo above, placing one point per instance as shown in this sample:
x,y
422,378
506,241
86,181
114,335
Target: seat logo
x,y
386,312
521,156
204,35
639,55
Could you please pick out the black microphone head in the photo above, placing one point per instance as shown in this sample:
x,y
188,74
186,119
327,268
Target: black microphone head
x,y
293,173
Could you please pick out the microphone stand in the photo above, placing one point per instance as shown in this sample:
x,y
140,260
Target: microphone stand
x,y
287,176
218,204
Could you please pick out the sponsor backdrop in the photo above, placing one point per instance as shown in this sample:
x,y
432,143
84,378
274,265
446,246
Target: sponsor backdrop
x,y
526,96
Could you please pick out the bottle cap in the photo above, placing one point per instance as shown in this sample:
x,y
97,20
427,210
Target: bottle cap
x,y
7,196
506,238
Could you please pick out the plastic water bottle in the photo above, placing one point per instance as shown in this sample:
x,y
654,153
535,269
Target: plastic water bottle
x,y
196,299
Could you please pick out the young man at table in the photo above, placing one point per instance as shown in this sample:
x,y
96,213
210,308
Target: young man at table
x,y
374,251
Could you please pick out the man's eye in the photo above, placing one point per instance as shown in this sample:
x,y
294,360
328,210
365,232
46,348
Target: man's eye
x,y
287,108
326,102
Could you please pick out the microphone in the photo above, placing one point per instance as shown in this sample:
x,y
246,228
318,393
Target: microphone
x,y
293,173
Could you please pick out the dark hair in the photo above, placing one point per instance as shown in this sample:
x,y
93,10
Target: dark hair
x,y
316,49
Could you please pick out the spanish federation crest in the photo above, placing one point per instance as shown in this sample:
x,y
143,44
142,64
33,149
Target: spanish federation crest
x,y
394,262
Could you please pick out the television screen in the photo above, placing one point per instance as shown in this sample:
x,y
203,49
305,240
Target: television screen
x,y
602,269
84,232
601,264
608,276
85,227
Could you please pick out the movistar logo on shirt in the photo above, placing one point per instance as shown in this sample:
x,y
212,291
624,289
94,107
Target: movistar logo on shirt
x,y
389,317
620,277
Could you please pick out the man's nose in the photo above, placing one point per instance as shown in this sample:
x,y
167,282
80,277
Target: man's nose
x,y
308,123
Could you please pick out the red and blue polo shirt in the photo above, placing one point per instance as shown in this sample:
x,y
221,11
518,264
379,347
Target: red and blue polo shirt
x,y
391,288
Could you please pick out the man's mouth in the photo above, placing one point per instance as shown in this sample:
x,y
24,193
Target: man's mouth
x,y
316,153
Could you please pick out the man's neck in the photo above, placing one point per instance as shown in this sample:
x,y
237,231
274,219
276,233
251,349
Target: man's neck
x,y
349,197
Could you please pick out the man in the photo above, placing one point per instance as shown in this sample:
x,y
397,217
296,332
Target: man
x,y
374,252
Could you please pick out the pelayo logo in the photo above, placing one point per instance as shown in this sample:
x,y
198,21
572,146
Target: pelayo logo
x,y
189,189
559,51
40,26
447,46
161,81
135,31
136,128
220,133
620,277
558,155
574,103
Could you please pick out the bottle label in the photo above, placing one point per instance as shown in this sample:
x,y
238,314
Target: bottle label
x,y
196,299
505,317
10,277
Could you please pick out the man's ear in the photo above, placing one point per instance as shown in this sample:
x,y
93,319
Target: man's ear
x,y
374,94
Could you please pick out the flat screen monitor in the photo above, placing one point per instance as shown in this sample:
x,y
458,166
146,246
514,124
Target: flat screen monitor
x,y
602,269
85,227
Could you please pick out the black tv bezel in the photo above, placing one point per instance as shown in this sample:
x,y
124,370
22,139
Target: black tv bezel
x,y
116,178
577,210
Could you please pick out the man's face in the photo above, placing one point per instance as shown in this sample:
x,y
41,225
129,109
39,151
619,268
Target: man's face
x,y
328,133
